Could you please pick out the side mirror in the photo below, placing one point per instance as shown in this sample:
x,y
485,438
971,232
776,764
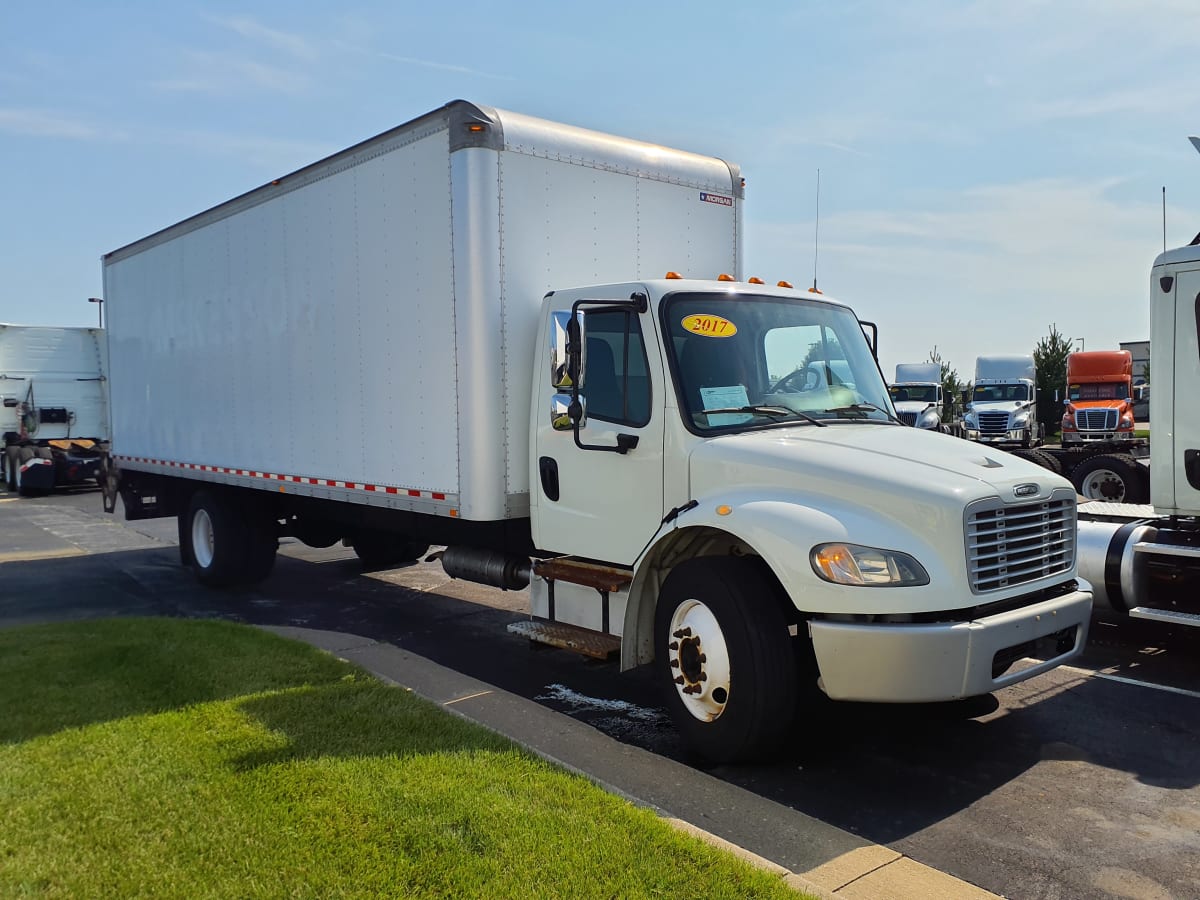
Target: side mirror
x,y
568,340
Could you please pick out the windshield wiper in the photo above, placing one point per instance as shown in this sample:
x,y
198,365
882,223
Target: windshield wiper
x,y
864,408
774,412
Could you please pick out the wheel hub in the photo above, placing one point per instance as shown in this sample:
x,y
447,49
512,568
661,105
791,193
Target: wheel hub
x,y
1103,484
699,660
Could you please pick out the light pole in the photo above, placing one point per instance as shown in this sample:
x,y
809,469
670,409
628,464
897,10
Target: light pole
x,y
1080,344
100,307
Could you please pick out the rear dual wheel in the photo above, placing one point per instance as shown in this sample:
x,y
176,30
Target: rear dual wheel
x,y
227,539
1112,477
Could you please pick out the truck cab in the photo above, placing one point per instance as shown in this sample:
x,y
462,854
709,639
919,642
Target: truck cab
x,y
917,395
727,459
1099,401
1002,408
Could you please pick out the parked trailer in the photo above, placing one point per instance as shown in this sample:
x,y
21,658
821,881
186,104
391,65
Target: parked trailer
x,y
1002,410
54,416
1100,453
386,348
1145,561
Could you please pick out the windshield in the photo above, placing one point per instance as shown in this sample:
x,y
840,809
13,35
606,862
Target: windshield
x,y
746,361
993,393
908,393
1111,390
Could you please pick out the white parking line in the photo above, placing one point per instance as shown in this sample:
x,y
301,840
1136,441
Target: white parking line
x,y
1157,687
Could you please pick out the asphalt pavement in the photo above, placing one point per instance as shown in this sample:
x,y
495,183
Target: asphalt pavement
x,y
1082,783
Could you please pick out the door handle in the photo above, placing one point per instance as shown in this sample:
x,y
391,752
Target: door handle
x,y
1191,467
548,470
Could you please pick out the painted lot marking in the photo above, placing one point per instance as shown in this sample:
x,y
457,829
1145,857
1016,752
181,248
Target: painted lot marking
x,y
34,555
1122,680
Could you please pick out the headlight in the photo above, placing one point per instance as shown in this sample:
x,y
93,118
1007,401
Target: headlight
x,y
1020,419
929,420
969,419
1126,421
865,566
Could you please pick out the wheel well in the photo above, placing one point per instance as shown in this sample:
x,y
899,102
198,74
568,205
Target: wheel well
x,y
676,549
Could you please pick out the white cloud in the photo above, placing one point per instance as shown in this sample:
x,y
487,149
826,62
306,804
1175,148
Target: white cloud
x,y
225,73
423,63
293,44
35,123
981,271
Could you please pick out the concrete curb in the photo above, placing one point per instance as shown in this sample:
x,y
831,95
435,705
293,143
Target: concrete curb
x,y
828,862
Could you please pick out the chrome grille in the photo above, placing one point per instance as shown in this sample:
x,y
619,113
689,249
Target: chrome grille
x,y
908,418
1096,419
993,423
1014,544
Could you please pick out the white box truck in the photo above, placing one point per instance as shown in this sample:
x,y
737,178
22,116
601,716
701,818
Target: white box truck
x,y
1002,409
53,409
917,395
459,333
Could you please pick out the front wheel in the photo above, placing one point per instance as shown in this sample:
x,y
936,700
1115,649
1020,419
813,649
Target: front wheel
x,y
724,656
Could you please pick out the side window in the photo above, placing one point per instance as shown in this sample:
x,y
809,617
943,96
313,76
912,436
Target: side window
x,y
616,382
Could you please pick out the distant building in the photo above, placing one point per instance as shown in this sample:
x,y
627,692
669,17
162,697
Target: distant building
x,y
1140,350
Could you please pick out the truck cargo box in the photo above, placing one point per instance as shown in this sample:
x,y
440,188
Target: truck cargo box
x,y
363,328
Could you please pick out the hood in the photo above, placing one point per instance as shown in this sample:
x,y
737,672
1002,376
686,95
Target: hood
x,y
1100,404
1008,406
915,406
887,469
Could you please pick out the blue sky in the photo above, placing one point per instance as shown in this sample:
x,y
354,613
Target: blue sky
x,y
987,169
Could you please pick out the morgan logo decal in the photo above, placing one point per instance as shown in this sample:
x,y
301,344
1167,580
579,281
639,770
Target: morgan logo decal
x,y
716,198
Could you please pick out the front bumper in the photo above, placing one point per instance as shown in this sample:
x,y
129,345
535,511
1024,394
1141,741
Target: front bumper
x,y
884,663
1085,437
1016,436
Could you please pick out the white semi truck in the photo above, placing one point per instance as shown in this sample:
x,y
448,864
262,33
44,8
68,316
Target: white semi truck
x,y
1002,409
459,333
53,409
1145,560
917,395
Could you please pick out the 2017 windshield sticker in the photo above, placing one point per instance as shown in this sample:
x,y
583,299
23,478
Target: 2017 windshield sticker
x,y
709,326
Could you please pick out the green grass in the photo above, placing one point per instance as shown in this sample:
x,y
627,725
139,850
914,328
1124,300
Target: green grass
x,y
171,758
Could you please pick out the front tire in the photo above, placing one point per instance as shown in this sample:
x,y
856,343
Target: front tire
x,y
725,658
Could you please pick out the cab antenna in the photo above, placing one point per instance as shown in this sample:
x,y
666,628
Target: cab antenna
x,y
816,229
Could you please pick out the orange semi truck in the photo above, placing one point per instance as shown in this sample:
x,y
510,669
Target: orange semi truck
x,y
1100,453
1099,397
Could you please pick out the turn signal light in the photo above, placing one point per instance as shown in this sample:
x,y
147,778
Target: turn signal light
x,y
787,284
725,277
753,280
813,290
673,275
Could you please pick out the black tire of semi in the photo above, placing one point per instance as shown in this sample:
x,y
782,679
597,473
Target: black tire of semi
x,y
747,604
1047,460
384,549
1134,478
243,540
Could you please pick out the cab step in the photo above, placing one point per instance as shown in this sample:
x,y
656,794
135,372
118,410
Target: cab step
x,y
1165,615
569,637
